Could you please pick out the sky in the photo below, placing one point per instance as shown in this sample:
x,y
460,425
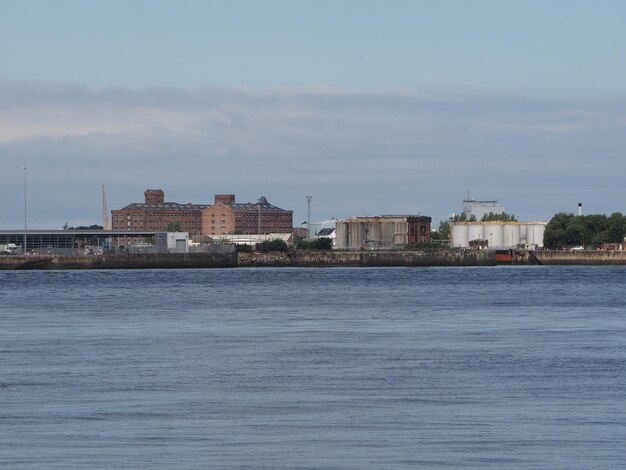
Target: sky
x,y
371,107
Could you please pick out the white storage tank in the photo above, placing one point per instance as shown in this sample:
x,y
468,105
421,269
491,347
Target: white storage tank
x,y
511,235
534,233
495,235
475,232
459,236
522,233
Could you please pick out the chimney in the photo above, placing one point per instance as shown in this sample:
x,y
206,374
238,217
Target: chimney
x,y
154,196
225,198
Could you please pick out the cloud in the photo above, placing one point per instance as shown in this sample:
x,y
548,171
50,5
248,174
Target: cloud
x,y
356,151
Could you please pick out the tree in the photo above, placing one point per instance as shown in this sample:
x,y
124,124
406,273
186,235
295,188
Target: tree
x,y
616,228
84,227
241,248
174,227
272,245
499,216
443,232
554,235
323,243
595,229
462,217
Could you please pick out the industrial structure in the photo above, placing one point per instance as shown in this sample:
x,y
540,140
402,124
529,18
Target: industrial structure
x,y
478,209
228,217
68,241
106,222
496,235
381,232
316,228
154,214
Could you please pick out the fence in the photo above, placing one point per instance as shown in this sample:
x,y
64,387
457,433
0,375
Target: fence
x,y
134,249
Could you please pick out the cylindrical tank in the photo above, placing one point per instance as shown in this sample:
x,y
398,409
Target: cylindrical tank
x,y
475,232
342,241
523,233
459,236
534,233
511,235
495,235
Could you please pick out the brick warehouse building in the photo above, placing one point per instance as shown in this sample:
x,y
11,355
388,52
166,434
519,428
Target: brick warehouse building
x,y
227,217
155,214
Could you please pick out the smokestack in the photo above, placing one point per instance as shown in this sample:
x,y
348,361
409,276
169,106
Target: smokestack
x,y
580,208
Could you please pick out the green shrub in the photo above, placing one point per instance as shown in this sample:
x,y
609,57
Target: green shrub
x,y
317,244
272,245
244,248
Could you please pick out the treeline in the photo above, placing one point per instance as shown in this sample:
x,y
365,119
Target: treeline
x,y
566,230
84,227
443,231
280,245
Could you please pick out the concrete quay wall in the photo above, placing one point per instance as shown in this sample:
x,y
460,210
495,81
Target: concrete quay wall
x,y
123,261
231,260
581,257
395,258
368,258
311,259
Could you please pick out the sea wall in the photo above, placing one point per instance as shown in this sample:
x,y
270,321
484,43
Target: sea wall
x,y
395,258
310,259
581,257
124,261
369,258
230,260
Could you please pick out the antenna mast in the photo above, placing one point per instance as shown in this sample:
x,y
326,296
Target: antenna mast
x,y
106,225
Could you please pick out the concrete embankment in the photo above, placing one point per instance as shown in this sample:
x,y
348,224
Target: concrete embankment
x,y
395,258
123,261
312,259
231,260
581,257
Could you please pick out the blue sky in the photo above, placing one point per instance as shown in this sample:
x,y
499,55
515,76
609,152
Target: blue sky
x,y
543,49
372,107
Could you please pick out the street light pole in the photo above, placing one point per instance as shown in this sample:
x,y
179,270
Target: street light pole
x,y
25,226
308,217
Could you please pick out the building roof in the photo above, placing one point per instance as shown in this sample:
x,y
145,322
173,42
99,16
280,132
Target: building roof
x,y
497,222
396,218
164,205
325,232
253,206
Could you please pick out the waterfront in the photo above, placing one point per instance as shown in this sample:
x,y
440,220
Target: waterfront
x,y
497,367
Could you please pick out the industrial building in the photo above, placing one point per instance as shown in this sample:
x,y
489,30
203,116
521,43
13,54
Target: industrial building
x,y
382,232
228,217
496,235
154,214
67,242
314,228
478,209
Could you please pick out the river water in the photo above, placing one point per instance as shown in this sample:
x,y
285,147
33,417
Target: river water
x,y
382,368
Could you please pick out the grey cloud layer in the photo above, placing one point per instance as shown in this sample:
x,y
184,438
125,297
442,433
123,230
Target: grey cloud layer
x,y
357,152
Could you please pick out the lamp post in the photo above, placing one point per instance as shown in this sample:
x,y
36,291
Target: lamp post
x,y
308,220
25,225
